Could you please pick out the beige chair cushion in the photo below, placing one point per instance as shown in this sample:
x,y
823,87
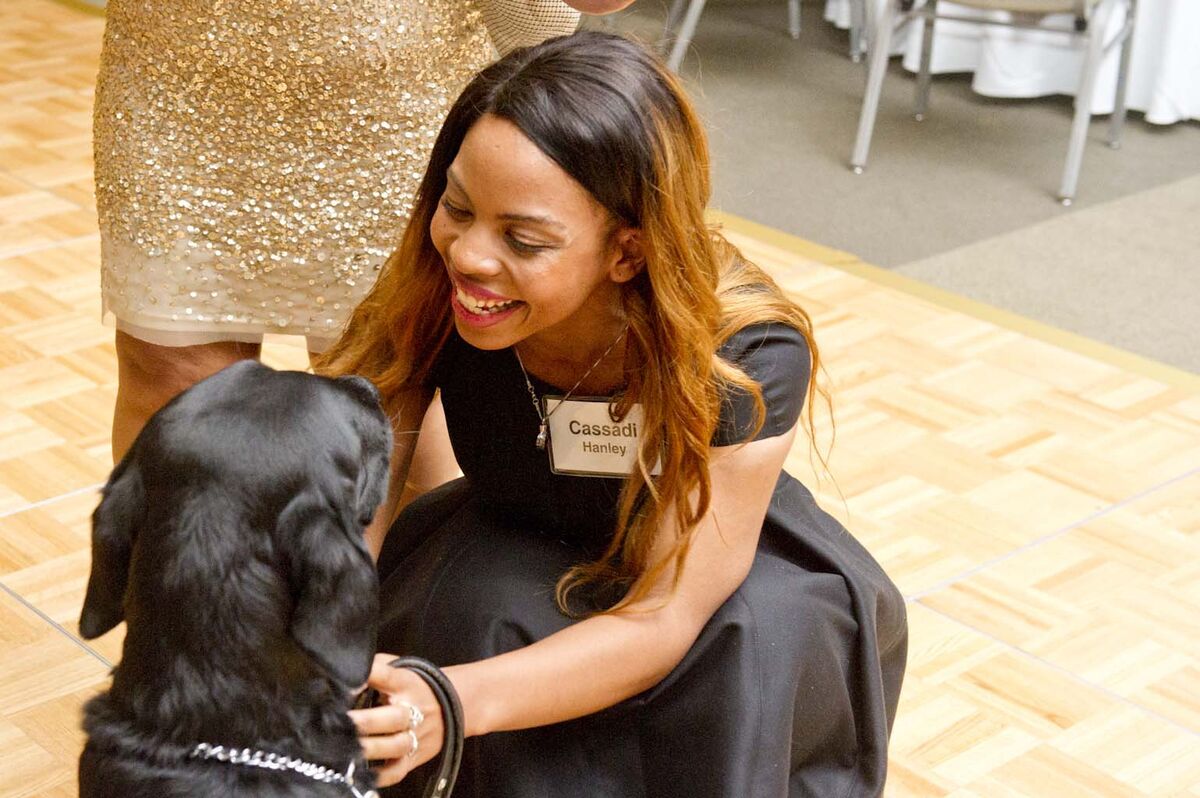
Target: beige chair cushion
x,y
1029,6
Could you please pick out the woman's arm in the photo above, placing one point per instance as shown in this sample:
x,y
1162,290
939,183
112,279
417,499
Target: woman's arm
x,y
598,6
433,462
605,659
602,660
406,426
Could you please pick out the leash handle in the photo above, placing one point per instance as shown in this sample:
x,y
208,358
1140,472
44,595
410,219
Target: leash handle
x,y
452,722
453,740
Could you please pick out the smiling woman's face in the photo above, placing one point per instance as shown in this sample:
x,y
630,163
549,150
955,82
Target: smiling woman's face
x,y
529,251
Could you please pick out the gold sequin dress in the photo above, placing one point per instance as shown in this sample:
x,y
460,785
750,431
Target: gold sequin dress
x,y
256,160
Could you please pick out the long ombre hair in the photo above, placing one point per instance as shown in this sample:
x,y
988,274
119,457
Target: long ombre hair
x,y
619,123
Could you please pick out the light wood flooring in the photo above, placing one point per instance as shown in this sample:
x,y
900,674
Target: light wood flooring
x,y
1039,507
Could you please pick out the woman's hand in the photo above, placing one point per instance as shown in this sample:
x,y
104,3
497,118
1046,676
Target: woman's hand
x,y
598,6
386,732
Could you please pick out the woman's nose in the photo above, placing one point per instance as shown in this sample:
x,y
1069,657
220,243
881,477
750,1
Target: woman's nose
x,y
470,255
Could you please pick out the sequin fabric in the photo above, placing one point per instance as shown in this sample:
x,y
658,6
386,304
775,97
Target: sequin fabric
x,y
256,160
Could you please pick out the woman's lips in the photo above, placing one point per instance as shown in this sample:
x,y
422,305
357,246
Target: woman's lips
x,y
481,312
477,292
475,301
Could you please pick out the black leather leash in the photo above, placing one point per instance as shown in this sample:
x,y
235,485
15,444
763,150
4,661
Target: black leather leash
x,y
443,779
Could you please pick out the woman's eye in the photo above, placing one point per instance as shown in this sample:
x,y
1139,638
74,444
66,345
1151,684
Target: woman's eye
x,y
523,247
453,211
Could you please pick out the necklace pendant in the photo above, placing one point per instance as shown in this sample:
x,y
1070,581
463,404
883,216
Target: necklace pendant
x,y
541,437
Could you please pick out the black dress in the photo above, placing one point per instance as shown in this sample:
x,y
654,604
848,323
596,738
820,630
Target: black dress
x,y
790,690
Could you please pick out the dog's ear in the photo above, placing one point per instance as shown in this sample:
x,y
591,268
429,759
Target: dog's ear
x,y
334,586
114,524
372,483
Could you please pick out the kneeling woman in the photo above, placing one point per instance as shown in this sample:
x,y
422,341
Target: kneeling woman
x,y
630,596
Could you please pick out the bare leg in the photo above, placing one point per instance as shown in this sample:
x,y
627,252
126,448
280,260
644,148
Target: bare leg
x,y
150,375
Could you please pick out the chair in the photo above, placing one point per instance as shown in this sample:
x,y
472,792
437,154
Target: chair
x,y
1091,21
689,12
858,29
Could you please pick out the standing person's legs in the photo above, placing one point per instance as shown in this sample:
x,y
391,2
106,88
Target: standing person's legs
x,y
150,375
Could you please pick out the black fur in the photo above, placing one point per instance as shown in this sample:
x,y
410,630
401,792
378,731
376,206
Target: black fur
x,y
230,540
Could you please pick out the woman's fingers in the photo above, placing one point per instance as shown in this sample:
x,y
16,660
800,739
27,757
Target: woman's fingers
x,y
395,751
383,719
392,772
395,746
387,732
399,744
382,672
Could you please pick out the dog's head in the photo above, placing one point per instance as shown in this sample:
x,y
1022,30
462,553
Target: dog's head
x,y
253,486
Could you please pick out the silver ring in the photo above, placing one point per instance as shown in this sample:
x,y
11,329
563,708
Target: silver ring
x,y
416,744
415,716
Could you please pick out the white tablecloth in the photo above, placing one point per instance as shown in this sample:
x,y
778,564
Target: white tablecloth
x,y
1164,75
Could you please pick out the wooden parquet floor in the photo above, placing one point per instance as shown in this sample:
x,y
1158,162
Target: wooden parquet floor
x,y
1040,508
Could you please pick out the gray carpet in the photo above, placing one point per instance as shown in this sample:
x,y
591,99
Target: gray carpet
x,y
963,200
1129,274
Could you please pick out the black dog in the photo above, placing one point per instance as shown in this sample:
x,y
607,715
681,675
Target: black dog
x,y
230,539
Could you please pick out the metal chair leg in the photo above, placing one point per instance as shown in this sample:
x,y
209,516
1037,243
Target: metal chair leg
x,y
929,12
877,61
858,29
1083,101
673,18
669,27
681,40
1118,116
686,31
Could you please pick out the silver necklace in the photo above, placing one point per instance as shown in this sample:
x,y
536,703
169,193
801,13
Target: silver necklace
x,y
544,420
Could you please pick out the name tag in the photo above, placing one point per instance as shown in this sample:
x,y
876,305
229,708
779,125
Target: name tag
x,y
585,440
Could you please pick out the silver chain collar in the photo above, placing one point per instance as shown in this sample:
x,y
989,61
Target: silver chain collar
x,y
270,761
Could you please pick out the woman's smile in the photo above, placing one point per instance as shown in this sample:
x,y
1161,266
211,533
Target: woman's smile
x,y
480,307
527,249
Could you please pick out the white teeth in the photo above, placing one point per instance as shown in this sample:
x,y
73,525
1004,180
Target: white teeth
x,y
482,307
